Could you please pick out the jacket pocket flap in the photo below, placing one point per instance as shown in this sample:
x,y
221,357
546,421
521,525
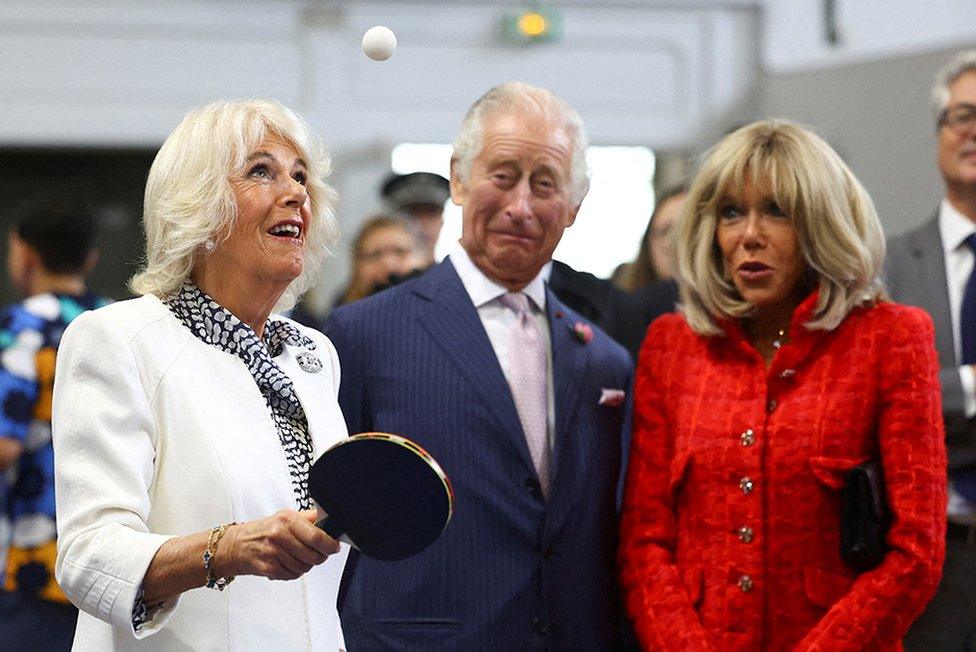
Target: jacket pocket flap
x,y
830,471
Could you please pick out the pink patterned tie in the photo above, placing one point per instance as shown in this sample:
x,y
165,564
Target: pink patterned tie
x,y
527,377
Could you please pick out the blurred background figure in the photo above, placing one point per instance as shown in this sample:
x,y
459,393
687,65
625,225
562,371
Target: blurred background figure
x,y
786,369
655,260
386,250
419,196
649,278
932,267
392,246
50,252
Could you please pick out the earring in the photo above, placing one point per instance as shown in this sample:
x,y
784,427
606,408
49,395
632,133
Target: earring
x,y
209,245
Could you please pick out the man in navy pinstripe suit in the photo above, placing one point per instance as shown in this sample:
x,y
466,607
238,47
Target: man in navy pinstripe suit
x,y
524,407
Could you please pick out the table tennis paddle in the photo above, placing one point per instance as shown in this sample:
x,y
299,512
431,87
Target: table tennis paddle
x,y
383,493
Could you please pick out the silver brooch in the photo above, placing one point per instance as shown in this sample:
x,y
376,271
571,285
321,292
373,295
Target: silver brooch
x,y
309,362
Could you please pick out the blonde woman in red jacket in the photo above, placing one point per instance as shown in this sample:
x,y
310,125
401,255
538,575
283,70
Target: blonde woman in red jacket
x,y
786,368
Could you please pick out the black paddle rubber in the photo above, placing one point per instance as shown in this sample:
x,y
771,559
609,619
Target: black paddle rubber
x,y
384,492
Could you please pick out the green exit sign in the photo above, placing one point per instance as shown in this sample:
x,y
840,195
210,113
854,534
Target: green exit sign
x,y
532,25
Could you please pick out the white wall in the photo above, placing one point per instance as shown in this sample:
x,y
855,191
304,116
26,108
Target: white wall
x,y
122,73
868,30
113,72
877,115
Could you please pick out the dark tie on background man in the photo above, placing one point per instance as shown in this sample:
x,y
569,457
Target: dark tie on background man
x,y
964,480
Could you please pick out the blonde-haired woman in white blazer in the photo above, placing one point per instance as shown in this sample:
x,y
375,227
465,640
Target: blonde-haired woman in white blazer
x,y
185,420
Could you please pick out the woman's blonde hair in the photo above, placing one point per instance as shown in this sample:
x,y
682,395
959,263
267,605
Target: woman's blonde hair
x,y
189,200
839,234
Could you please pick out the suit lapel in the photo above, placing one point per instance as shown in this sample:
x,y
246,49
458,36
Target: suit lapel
x,y
929,254
454,325
569,356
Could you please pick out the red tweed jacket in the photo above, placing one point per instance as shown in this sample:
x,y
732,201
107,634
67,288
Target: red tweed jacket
x,y
730,528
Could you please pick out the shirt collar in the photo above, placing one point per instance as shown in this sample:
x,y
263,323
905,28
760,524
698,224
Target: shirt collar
x,y
547,271
954,227
483,290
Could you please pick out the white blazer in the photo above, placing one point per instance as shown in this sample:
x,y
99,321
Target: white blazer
x,y
157,434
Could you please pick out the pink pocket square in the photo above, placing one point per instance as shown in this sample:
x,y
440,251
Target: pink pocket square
x,y
612,397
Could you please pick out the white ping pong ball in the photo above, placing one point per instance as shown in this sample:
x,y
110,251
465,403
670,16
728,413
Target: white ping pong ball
x,y
379,43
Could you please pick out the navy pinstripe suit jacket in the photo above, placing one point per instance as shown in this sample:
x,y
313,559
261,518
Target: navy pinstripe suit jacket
x,y
511,571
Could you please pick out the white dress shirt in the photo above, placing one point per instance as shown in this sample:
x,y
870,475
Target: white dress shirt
x,y
954,228
499,320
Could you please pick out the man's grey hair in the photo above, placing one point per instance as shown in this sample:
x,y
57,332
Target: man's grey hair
x,y
521,97
956,66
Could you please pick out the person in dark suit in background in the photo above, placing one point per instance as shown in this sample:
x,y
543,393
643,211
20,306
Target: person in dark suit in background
x,y
520,399
655,300
601,302
932,267
639,291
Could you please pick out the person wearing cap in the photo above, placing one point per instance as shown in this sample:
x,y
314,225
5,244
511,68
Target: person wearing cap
x,y
419,196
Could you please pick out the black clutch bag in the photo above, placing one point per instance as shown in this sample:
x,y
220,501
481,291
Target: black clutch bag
x,y
864,517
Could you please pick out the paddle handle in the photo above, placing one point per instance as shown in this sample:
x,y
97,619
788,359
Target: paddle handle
x,y
331,527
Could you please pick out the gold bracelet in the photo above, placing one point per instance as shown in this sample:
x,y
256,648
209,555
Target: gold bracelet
x,y
216,534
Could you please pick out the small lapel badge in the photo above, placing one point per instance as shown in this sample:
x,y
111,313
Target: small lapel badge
x,y
309,362
583,332
612,397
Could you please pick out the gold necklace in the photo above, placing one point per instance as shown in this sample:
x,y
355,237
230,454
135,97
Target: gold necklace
x,y
778,342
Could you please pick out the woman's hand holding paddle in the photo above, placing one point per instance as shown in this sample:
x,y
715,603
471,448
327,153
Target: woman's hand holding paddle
x,y
283,546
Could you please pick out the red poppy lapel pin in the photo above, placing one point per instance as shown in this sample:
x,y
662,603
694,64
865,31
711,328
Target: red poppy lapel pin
x,y
583,332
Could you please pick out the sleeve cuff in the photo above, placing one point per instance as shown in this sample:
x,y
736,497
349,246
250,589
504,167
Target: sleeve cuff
x,y
110,593
156,618
150,617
